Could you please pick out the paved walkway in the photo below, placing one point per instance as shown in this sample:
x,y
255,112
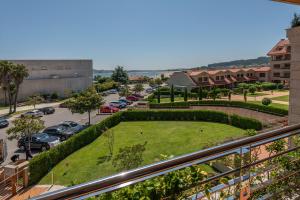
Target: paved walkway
x,y
35,191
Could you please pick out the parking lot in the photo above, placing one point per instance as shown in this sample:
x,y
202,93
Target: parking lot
x,y
60,115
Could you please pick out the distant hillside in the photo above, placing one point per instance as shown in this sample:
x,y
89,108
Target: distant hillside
x,y
247,62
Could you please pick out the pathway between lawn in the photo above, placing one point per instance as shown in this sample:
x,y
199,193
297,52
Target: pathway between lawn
x,y
265,118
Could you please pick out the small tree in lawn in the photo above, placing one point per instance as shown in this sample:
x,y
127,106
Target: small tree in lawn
x,y
129,157
252,89
138,88
229,95
214,93
266,101
200,93
172,93
185,94
109,134
25,127
158,95
86,101
35,99
245,95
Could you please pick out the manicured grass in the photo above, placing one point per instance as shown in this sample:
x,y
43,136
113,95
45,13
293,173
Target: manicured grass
x,y
162,137
276,105
282,98
257,94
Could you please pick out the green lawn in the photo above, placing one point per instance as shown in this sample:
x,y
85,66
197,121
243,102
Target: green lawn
x,y
277,105
257,94
168,100
282,98
163,137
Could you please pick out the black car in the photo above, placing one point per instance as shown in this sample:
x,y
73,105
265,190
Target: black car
x,y
59,131
3,123
40,141
47,110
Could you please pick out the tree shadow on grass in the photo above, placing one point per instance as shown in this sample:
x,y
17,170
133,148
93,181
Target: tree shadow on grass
x,y
103,159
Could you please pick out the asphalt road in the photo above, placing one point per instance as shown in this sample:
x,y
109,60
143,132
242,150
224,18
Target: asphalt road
x,y
60,115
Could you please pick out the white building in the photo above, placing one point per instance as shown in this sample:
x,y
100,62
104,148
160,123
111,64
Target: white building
x,y
54,76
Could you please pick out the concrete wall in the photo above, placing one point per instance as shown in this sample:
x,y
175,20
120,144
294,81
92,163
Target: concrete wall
x,y
294,106
49,76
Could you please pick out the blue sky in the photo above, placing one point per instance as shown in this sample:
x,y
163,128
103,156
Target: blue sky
x,y
140,34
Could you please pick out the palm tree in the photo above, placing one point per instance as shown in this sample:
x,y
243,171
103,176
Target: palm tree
x,y
19,73
5,70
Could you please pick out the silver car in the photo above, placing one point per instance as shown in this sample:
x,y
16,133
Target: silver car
x,y
33,113
73,126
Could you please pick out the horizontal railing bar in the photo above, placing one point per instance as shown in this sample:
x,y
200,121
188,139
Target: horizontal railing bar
x,y
121,178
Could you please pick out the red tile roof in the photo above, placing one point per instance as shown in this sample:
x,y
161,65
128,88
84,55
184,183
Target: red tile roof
x,y
280,48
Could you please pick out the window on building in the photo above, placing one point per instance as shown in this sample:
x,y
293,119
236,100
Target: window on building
x,y
228,76
276,74
262,75
217,78
205,79
287,65
238,75
277,66
222,77
286,75
242,75
200,79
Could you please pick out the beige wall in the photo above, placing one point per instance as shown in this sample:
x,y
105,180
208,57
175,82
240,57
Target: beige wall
x,y
294,105
49,76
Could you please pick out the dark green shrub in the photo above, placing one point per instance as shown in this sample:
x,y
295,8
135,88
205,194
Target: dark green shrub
x,y
54,95
245,123
239,104
266,101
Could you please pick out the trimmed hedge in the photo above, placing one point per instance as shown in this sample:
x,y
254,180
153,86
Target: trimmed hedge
x,y
41,164
239,104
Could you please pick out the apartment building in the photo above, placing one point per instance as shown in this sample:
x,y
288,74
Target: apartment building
x,y
280,62
54,76
219,77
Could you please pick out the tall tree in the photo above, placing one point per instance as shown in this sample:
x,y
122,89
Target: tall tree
x,y
172,93
5,71
120,75
18,74
158,81
138,88
158,95
185,94
25,127
245,95
200,93
86,101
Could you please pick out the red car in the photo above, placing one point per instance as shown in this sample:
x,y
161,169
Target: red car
x,y
108,109
132,98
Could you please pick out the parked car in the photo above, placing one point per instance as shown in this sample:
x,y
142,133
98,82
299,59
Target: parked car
x,y
113,91
118,104
47,110
138,95
125,101
40,141
3,123
59,131
108,109
33,113
74,126
132,98
149,90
